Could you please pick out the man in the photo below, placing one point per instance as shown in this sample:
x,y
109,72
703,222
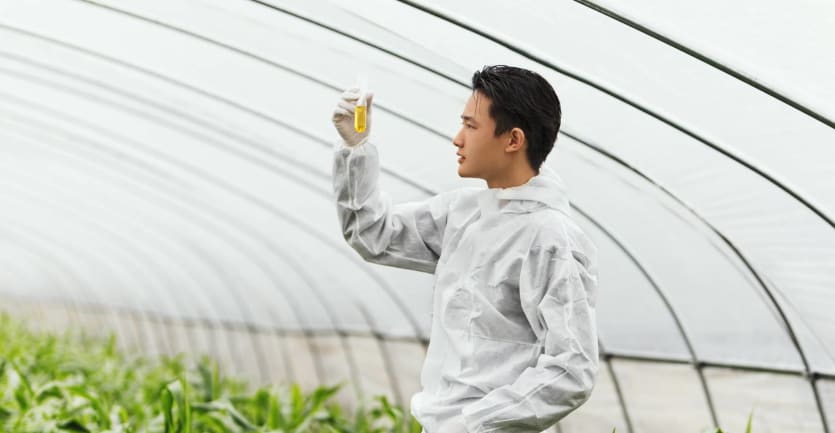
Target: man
x,y
513,346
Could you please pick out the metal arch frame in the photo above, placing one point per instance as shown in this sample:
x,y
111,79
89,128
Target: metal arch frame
x,y
560,70
607,358
678,127
248,327
493,39
682,129
709,364
248,54
325,306
467,27
213,96
809,374
612,355
388,362
386,356
218,98
350,361
377,336
176,113
614,94
393,379
374,276
667,304
203,92
707,60
667,360
659,360
697,363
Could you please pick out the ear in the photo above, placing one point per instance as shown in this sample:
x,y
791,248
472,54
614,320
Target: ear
x,y
517,139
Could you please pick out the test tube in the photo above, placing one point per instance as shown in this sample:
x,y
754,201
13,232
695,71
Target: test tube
x,y
361,109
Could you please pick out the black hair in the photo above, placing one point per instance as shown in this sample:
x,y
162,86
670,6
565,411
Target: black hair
x,y
522,98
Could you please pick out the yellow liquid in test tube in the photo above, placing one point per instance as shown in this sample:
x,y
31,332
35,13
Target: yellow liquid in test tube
x,y
361,108
359,118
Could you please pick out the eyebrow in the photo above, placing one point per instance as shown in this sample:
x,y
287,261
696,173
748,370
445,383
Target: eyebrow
x,y
469,118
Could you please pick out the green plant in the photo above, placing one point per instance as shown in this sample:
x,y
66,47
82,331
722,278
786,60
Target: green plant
x,y
76,383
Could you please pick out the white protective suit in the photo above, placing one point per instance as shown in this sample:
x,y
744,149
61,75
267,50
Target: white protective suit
x,y
513,346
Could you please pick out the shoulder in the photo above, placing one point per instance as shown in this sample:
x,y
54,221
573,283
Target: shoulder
x,y
561,235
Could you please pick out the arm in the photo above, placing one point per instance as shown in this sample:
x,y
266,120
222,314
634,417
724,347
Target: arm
x,y
407,235
557,290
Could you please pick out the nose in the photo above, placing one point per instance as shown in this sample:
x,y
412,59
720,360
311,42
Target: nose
x,y
458,140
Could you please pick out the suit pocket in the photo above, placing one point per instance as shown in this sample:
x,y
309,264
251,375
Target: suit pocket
x,y
457,308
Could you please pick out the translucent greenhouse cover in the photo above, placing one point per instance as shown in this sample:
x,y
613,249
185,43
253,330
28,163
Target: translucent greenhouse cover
x,y
173,158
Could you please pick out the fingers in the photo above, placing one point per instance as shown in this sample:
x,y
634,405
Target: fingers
x,y
340,112
353,94
347,105
348,100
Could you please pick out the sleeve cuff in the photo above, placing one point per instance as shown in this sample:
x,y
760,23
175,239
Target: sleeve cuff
x,y
341,145
490,414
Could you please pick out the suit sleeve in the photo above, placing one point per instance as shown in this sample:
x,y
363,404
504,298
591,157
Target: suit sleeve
x,y
406,235
557,289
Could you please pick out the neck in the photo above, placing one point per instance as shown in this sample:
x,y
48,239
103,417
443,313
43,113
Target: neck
x,y
516,176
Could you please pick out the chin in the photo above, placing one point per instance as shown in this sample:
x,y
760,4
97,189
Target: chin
x,y
464,172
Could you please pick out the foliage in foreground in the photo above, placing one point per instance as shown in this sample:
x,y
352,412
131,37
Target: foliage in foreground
x,y
76,383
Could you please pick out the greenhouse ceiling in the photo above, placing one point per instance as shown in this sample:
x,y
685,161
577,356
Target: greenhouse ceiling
x,y
172,159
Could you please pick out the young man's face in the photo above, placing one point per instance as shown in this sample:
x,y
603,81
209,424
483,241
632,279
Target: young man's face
x,y
483,153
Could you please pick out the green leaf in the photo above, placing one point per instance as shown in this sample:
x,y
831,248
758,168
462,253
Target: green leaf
x,y
175,406
748,427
